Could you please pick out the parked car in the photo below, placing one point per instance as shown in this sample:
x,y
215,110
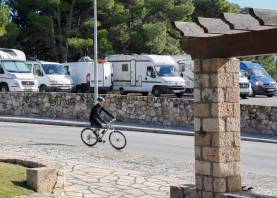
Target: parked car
x,y
14,73
261,82
145,74
82,74
51,76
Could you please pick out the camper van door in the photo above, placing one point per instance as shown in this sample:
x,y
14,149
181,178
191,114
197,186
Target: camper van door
x,y
133,73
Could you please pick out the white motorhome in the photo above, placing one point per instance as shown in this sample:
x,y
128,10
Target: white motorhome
x,y
185,67
14,73
145,74
82,73
51,76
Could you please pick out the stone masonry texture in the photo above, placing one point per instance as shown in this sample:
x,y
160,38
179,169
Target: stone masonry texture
x,y
162,111
217,124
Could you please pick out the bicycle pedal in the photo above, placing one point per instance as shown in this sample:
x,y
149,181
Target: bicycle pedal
x,y
103,141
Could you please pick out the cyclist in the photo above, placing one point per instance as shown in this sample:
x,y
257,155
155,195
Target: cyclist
x,y
95,115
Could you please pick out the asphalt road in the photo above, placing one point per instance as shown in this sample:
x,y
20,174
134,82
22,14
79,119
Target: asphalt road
x,y
258,158
260,100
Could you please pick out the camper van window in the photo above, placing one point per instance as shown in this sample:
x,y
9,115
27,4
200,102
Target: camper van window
x,y
16,67
166,70
53,69
125,67
37,71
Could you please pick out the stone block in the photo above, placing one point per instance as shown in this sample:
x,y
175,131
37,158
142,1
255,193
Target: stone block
x,y
42,180
232,66
226,169
201,110
234,184
197,124
213,125
204,80
197,95
207,195
214,65
223,139
197,65
176,192
219,185
233,124
202,139
222,80
232,95
222,110
236,107
208,184
207,95
198,153
221,154
199,182
202,167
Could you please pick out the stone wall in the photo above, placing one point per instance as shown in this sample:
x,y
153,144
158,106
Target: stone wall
x,y
163,111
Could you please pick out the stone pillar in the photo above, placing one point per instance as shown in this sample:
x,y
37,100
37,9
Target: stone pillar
x,y
217,127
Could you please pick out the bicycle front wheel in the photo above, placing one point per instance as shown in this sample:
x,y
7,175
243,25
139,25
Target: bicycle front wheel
x,y
89,136
117,140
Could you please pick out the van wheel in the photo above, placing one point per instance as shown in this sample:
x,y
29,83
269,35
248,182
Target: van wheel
x,y
122,92
244,96
156,92
4,88
269,95
43,88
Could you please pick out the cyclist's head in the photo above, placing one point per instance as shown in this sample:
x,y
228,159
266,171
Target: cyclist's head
x,y
100,100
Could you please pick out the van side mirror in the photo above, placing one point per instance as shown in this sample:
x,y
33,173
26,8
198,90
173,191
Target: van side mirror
x,y
39,73
1,70
153,75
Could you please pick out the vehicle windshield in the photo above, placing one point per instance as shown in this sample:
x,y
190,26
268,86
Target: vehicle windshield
x,y
242,74
258,72
166,70
53,69
16,67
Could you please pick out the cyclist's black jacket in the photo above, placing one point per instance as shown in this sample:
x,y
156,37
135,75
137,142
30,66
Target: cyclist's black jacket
x,y
95,115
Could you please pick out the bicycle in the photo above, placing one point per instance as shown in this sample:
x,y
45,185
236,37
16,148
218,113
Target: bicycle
x,y
117,139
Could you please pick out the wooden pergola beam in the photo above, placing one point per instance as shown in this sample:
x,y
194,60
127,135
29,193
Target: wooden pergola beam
x,y
232,45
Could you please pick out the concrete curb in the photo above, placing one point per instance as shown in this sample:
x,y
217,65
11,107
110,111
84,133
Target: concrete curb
x,y
121,127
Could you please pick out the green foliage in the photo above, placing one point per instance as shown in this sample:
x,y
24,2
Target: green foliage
x,y
212,8
61,30
4,19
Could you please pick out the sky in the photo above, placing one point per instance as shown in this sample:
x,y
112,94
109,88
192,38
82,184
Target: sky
x,y
266,4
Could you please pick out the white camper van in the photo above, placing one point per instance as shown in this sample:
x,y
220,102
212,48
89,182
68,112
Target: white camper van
x,y
50,76
82,73
185,67
154,74
14,73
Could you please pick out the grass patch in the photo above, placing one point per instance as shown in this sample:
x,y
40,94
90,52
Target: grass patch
x,y
12,181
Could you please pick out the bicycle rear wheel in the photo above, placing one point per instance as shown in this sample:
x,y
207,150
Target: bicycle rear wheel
x,y
89,136
117,140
